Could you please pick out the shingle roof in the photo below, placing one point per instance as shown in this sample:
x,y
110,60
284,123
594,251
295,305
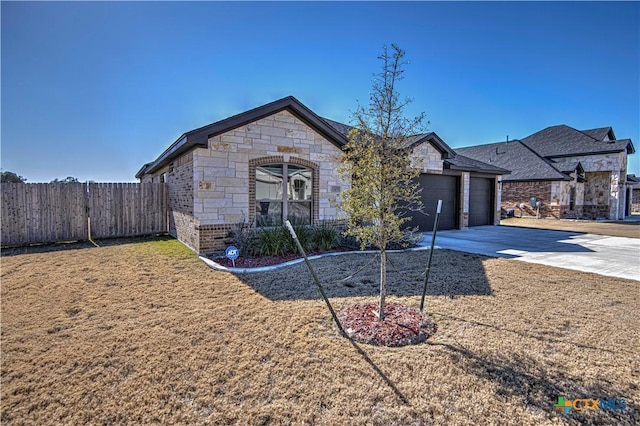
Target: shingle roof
x,y
334,131
524,163
411,141
340,127
565,141
461,162
453,160
600,133
199,137
567,166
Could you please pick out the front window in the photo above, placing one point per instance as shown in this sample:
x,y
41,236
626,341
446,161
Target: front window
x,y
283,191
572,198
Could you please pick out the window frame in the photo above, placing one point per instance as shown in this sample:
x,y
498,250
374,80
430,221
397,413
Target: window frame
x,y
285,200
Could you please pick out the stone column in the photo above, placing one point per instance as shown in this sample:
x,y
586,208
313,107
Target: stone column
x,y
615,195
498,203
465,181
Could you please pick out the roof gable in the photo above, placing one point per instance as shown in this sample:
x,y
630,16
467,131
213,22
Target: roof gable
x,y
568,166
565,141
601,133
434,140
199,137
289,103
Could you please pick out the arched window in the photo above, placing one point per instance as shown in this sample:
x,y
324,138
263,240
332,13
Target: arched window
x,y
283,191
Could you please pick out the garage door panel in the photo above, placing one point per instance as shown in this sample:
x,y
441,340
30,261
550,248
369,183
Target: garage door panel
x,y
434,188
480,201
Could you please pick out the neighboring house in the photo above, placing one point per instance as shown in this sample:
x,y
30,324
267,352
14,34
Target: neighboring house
x,y
572,173
280,161
633,194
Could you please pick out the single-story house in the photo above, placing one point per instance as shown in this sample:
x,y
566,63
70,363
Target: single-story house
x,y
571,173
279,161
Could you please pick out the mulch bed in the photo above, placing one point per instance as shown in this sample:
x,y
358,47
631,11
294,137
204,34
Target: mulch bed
x,y
402,324
257,262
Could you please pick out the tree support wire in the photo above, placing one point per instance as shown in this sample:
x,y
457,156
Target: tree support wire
x,y
377,369
315,277
433,241
347,278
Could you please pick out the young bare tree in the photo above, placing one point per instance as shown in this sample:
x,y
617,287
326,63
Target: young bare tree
x,y
377,163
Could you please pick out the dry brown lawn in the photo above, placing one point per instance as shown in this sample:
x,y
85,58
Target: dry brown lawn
x,y
144,332
615,229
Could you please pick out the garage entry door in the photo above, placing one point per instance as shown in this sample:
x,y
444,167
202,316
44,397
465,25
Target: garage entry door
x,y
480,201
434,188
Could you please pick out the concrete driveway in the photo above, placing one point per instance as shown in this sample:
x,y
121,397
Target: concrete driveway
x,y
611,256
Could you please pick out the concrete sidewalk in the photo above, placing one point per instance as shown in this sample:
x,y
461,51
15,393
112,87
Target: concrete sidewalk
x,y
604,255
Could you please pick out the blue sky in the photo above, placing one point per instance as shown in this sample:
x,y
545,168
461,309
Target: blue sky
x,y
95,90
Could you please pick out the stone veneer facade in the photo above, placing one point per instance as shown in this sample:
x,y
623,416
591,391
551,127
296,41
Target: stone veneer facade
x,y
427,159
604,189
211,189
635,203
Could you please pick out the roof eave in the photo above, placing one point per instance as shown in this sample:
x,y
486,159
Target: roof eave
x,y
630,148
539,179
477,169
200,137
289,103
142,171
579,154
179,147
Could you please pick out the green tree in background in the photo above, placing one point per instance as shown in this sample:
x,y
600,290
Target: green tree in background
x,y
10,177
68,179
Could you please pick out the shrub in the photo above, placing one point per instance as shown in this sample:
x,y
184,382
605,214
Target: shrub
x,y
243,236
324,237
305,236
276,240
273,241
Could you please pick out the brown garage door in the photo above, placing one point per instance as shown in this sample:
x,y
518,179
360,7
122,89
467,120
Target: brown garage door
x,y
480,201
434,188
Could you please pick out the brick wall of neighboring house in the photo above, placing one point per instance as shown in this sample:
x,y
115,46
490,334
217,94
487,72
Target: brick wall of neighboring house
x,y
516,193
556,197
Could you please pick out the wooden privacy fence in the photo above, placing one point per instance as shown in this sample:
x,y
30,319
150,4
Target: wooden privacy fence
x,y
49,212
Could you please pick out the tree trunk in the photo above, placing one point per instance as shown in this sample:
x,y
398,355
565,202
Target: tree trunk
x,y
383,282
